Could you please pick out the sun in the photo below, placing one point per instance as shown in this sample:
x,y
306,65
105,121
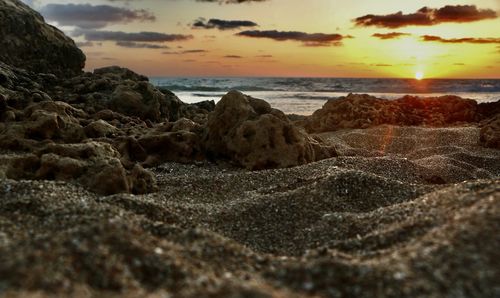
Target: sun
x,y
419,75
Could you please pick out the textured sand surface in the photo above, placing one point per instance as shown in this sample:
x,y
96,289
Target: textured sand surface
x,y
402,212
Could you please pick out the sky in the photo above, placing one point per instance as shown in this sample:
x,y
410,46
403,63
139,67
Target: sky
x,y
285,38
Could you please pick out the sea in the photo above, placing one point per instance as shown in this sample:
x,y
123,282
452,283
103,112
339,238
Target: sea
x,y
303,96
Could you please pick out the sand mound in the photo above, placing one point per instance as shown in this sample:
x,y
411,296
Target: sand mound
x,y
346,226
437,155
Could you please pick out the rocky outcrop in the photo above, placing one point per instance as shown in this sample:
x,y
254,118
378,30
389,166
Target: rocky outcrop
x,y
128,93
490,132
252,134
94,165
198,112
28,42
363,111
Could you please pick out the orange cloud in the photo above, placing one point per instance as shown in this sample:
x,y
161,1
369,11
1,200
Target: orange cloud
x,y
460,40
391,35
428,17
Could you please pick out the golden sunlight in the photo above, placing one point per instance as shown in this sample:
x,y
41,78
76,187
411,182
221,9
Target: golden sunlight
x,y
419,75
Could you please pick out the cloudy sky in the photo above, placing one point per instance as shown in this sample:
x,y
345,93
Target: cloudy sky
x,y
327,38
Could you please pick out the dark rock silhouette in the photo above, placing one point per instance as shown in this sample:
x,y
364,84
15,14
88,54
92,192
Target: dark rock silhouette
x,y
28,42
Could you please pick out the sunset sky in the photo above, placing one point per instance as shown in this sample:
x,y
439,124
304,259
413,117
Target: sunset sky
x,y
319,38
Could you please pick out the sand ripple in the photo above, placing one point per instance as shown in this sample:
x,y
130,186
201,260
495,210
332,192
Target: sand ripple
x,y
418,218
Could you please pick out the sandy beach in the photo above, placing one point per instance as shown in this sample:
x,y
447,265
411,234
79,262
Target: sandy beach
x,y
395,223
111,187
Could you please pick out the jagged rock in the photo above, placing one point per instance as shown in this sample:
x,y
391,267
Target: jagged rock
x,y
182,146
130,149
185,124
363,111
29,43
100,129
3,104
197,112
120,90
138,99
49,120
174,104
42,122
8,116
250,133
94,165
490,132
117,73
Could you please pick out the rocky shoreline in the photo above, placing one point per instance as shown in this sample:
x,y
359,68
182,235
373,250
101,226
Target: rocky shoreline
x,y
110,186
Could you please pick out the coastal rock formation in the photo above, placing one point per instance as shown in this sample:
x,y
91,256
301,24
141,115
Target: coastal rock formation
x,y
112,106
94,165
490,132
249,132
363,111
28,42
401,212
118,89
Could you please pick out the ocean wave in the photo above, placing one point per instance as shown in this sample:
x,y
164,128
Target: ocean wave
x,y
192,88
332,85
208,95
216,88
312,97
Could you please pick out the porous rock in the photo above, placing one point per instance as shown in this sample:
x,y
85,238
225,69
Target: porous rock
x,y
100,129
94,165
249,132
490,132
363,111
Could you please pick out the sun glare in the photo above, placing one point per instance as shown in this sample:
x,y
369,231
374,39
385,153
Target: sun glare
x,y
419,75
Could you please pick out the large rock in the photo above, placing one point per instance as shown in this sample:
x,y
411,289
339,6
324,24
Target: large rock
x,y
139,99
118,73
363,111
252,134
43,122
29,43
120,90
94,165
490,132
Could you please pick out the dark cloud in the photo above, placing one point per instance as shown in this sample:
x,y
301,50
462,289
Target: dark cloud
x,y
221,24
460,40
427,17
85,44
463,14
194,51
381,65
231,1
87,16
185,52
138,45
92,35
264,56
391,35
233,57
308,39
